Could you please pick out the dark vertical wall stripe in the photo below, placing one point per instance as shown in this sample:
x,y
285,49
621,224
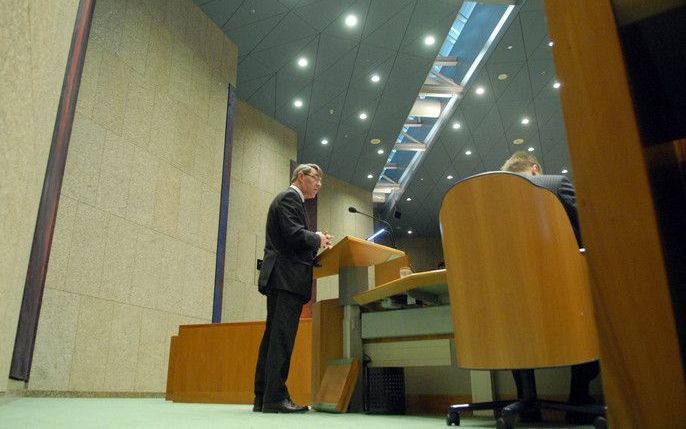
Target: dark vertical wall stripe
x,y
224,208
47,210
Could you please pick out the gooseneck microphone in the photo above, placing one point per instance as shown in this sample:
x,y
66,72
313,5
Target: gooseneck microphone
x,y
352,209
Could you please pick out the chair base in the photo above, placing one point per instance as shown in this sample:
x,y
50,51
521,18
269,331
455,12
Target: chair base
x,y
508,411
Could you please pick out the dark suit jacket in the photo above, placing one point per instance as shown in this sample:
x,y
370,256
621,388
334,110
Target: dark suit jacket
x,y
290,248
563,188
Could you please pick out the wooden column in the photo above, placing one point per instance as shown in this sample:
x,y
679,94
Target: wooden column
x,y
642,371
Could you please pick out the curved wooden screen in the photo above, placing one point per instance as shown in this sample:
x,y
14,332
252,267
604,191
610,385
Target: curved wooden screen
x,y
519,287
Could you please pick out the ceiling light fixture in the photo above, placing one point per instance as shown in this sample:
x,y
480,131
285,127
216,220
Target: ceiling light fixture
x,y
525,121
556,85
564,171
502,76
375,78
375,141
409,231
531,149
518,141
380,151
302,62
449,177
363,116
408,199
456,125
509,47
298,103
429,40
468,152
551,43
325,141
369,176
351,20
480,90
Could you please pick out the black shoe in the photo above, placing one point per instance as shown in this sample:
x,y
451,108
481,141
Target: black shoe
x,y
257,405
575,417
283,406
532,415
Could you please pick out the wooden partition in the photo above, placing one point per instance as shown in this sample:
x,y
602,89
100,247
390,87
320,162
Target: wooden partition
x,y
642,372
215,363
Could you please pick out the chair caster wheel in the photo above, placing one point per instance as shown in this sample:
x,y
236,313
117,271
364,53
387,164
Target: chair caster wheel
x,y
600,422
503,423
453,418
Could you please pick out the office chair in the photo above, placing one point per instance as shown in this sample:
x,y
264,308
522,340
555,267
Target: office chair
x,y
519,287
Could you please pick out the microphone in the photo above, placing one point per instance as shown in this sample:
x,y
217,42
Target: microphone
x,y
352,209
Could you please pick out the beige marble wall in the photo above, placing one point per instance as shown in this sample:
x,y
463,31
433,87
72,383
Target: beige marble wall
x,y
260,169
134,247
34,44
333,216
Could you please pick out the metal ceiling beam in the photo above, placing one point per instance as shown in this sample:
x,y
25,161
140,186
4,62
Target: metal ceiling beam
x,y
411,138
445,91
446,61
411,147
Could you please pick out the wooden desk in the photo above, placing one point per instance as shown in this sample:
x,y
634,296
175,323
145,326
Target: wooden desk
x,y
414,335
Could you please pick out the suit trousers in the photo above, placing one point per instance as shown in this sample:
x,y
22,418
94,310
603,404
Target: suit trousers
x,y
274,359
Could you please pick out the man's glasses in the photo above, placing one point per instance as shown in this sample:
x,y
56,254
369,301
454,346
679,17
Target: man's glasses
x,y
316,177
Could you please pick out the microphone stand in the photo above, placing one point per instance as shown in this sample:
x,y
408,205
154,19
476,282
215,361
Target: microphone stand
x,y
390,228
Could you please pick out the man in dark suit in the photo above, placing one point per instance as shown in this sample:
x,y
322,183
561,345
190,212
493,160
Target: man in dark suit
x,y
286,280
582,374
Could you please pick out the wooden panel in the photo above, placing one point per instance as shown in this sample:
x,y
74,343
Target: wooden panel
x,y
402,285
327,338
353,252
215,363
389,271
224,207
29,313
518,285
336,388
643,376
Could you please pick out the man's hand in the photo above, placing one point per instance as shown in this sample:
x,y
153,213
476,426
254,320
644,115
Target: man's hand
x,y
325,240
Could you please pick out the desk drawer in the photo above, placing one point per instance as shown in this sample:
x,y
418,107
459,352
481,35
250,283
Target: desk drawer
x,y
434,352
407,323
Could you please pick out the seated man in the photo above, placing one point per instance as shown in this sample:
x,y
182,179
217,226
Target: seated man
x,y
582,374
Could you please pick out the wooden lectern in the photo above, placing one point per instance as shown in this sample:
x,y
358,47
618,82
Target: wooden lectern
x,y
350,258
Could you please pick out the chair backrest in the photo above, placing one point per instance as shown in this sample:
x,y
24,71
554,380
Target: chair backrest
x,y
519,286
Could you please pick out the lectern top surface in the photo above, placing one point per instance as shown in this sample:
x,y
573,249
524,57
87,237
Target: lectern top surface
x,y
353,252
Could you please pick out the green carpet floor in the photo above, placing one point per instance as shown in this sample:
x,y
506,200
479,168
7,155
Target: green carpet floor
x,y
74,413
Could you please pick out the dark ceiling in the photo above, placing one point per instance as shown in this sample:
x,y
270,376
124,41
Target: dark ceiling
x,y
388,39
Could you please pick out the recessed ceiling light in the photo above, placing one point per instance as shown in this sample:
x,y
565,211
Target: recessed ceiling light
x,y
331,111
564,171
408,199
429,40
480,90
457,125
449,177
502,76
509,47
556,85
531,149
302,62
518,141
525,121
370,176
421,179
375,78
468,152
551,43
363,116
298,102
380,151
325,141
409,231
351,20
373,141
